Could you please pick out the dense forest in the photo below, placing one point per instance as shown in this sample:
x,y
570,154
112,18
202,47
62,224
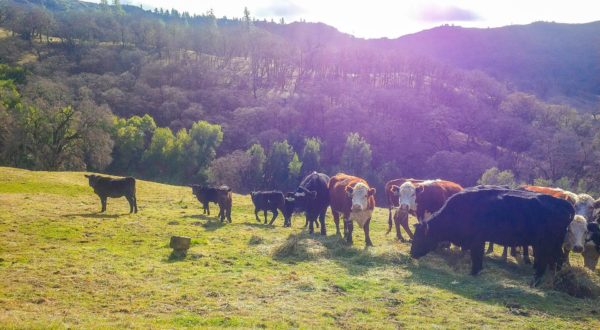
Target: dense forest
x,y
183,98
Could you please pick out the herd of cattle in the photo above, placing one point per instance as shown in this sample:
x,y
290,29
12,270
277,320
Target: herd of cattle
x,y
552,221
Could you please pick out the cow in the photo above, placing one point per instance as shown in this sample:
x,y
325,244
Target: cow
x,y
312,198
499,215
577,233
591,250
269,201
583,204
421,198
351,197
106,187
221,195
392,200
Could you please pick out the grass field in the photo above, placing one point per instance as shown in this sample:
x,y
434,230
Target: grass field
x,y
63,265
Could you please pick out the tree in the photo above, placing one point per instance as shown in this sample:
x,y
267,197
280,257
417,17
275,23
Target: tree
x,y
254,178
200,150
158,158
277,165
294,168
131,139
230,170
311,155
494,176
356,157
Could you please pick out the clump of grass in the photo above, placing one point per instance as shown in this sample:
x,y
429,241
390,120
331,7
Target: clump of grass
x,y
256,240
577,282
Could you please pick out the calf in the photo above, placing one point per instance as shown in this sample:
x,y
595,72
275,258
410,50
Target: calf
x,y
269,201
106,187
222,196
354,200
499,215
312,198
422,198
392,200
575,239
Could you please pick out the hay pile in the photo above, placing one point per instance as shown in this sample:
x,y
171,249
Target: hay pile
x,y
300,247
578,282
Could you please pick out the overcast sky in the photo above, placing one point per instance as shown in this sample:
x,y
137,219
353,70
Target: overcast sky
x,y
393,18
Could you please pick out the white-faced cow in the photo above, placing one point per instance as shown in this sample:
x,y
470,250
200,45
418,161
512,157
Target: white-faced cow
x,y
499,215
351,197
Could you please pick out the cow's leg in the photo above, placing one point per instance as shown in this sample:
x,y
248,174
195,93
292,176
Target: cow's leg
x,y
477,250
539,264
322,221
336,220
265,214
130,200
348,229
275,213
135,203
390,222
490,248
505,254
221,213
103,203
256,210
309,220
316,222
402,220
207,208
367,236
306,223
228,211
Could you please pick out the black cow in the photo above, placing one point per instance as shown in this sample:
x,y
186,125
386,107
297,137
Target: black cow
x,y
311,197
269,201
220,195
499,215
106,187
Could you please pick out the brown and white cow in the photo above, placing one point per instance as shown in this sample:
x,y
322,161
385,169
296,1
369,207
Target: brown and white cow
x,y
392,200
421,198
351,197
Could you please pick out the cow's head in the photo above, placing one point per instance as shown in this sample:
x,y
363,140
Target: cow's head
x,y
576,234
422,242
407,196
584,206
200,192
360,194
92,179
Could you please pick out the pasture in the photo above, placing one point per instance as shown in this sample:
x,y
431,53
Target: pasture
x,y
64,265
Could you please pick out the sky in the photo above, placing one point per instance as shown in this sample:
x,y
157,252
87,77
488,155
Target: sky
x,y
393,18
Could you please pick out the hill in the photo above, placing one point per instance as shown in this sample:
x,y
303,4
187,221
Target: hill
x,y
63,265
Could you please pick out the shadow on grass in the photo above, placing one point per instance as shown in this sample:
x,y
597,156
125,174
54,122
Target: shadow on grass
x,y
201,217
261,225
176,257
213,225
96,215
357,260
501,284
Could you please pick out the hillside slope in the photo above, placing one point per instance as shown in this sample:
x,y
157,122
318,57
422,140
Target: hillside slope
x,y
62,264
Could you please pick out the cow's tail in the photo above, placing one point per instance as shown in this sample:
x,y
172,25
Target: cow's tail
x,y
389,221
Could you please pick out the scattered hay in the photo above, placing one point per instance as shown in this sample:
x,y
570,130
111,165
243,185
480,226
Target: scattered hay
x,y
299,247
577,282
256,240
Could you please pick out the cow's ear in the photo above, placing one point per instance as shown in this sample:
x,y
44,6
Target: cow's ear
x,y
349,190
420,189
597,203
87,176
395,190
371,192
312,194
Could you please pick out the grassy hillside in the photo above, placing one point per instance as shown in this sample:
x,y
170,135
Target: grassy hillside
x,y
62,264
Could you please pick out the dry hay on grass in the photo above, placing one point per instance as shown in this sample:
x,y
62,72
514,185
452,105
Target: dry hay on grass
x,y
577,282
300,247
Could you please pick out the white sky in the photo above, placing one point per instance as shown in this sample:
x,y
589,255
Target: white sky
x,y
393,18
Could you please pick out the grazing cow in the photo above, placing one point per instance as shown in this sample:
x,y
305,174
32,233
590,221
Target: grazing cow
x,y
222,196
106,187
575,239
591,251
351,197
268,201
312,198
499,215
421,198
392,200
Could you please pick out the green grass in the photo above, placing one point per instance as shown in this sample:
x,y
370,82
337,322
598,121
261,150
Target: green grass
x,y
63,265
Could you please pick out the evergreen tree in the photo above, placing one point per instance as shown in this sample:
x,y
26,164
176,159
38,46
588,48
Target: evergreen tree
x,y
356,157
